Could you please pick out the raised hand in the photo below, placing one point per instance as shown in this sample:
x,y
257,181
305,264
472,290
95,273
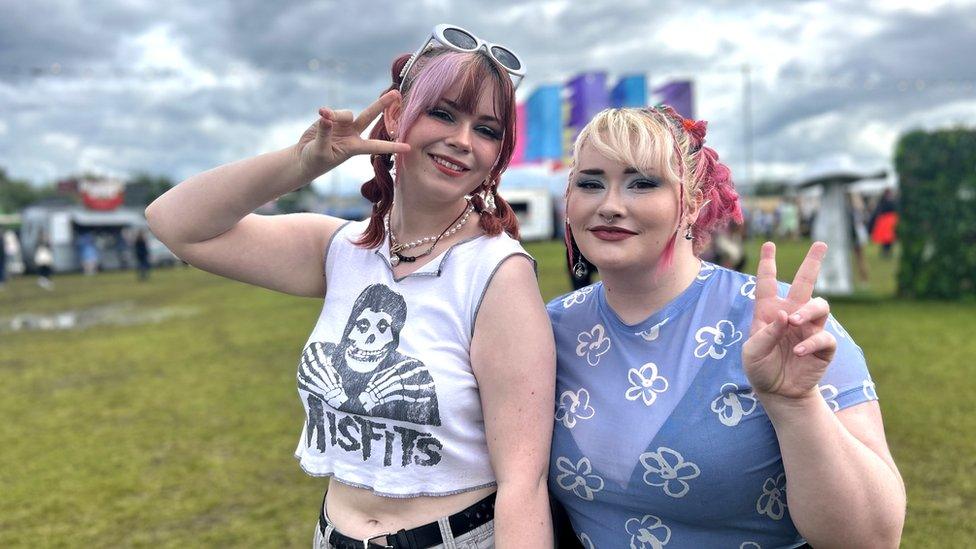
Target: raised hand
x,y
788,349
337,135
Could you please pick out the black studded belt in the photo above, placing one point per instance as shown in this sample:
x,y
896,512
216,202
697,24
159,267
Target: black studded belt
x,y
420,537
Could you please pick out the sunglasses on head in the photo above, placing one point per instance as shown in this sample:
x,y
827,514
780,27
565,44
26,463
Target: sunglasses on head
x,y
455,38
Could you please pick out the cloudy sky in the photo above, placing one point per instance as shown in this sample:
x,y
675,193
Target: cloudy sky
x,y
174,88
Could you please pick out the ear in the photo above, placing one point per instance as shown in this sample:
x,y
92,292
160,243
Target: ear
x,y
391,114
699,203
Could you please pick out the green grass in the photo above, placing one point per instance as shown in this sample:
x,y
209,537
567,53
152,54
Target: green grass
x,y
181,432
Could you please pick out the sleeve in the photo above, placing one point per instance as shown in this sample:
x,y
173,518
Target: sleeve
x,y
847,381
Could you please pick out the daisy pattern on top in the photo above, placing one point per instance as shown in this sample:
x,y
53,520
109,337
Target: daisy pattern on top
x,y
772,502
653,332
748,288
733,404
578,478
668,468
578,296
869,389
647,532
829,393
593,344
645,383
707,270
713,341
573,406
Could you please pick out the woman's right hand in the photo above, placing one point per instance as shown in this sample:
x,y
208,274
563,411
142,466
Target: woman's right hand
x,y
337,135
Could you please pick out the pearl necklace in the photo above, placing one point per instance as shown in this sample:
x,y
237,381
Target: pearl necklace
x,y
396,247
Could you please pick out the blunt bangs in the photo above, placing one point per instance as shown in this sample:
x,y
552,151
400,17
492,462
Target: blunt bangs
x,y
625,136
467,71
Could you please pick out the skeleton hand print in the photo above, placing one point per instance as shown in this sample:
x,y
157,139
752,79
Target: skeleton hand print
x,y
395,384
317,375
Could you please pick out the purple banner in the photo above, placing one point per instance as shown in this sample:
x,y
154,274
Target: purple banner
x,y
588,95
679,95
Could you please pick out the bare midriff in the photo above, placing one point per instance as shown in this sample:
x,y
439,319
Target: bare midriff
x,y
360,513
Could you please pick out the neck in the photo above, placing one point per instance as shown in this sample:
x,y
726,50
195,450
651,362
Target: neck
x,y
413,218
637,293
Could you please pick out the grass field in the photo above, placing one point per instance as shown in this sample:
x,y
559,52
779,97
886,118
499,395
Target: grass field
x,y
179,431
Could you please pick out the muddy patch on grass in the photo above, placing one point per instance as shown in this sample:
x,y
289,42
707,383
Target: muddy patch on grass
x,y
116,314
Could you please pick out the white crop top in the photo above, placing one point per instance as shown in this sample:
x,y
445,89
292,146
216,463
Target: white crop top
x,y
390,400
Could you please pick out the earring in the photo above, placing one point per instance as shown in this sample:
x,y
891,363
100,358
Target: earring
x,y
579,269
488,197
688,235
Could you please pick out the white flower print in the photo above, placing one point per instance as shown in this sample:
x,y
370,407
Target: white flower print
x,y
668,468
748,289
645,384
573,406
651,333
585,540
578,478
869,389
647,532
750,545
593,344
707,270
732,404
772,502
714,341
578,296
829,393
841,332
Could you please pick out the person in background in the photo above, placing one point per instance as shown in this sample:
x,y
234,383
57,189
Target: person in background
x,y
140,249
692,398
3,258
884,221
43,262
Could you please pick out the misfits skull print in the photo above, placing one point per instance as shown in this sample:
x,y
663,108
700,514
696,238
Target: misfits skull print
x,y
365,375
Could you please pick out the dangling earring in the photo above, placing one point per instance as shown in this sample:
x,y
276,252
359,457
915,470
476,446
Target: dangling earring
x,y
488,198
579,269
688,235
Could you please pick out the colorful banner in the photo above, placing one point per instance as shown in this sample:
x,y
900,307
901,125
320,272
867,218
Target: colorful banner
x,y
544,124
679,95
630,91
588,95
521,137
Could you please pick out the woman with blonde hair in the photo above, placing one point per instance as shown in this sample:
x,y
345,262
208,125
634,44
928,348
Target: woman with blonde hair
x,y
699,406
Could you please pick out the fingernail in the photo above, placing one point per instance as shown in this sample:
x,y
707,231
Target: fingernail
x,y
800,349
796,317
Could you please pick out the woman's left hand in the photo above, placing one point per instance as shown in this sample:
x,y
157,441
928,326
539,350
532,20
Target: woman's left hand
x,y
788,349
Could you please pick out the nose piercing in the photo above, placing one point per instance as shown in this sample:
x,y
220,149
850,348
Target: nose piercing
x,y
608,219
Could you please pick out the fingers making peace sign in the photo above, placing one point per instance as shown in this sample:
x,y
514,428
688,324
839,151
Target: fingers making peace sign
x,y
788,349
337,136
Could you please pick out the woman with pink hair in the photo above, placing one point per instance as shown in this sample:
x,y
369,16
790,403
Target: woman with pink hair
x,y
426,405
699,406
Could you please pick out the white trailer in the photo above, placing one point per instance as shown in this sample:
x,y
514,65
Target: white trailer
x,y
534,209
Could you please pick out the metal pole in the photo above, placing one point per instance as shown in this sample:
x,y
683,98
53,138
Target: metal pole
x,y
747,122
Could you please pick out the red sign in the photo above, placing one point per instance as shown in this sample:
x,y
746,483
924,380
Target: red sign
x,y
102,194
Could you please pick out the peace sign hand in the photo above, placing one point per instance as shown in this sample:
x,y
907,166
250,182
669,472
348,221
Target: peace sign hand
x,y
337,135
788,349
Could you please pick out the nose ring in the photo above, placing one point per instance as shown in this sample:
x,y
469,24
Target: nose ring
x,y
608,219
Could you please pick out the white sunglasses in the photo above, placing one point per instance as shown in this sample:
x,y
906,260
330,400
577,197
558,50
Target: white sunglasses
x,y
455,38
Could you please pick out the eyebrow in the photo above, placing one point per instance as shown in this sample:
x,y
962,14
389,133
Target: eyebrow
x,y
595,171
457,107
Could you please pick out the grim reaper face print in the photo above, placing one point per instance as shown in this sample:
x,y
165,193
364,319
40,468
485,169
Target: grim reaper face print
x,y
365,373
